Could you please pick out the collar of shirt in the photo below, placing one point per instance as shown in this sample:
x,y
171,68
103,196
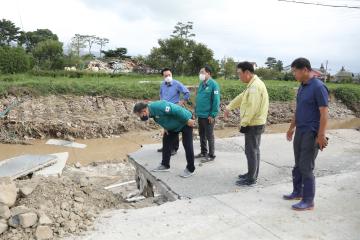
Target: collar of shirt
x,y
251,81
309,82
168,83
205,83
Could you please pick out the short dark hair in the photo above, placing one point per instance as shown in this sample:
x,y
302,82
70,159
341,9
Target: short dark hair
x,y
164,70
246,66
139,107
301,63
208,69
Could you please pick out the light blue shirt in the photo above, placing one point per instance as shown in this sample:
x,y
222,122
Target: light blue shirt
x,y
171,91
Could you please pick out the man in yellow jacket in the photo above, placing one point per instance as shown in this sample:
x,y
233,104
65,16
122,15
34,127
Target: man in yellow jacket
x,y
254,105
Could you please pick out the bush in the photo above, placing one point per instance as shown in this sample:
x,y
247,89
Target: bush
x,y
14,60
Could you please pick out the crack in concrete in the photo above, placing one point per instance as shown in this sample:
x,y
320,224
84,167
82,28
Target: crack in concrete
x,y
250,219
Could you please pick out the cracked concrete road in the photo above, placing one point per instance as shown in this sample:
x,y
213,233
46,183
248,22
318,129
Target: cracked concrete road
x,y
219,210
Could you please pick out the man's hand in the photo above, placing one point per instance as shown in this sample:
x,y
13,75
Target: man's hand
x,y
322,141
289,134
226,114
211,120
191,123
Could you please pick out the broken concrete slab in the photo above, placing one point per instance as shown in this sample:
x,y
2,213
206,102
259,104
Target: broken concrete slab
x,y
65,143
57,168
25,164
218,177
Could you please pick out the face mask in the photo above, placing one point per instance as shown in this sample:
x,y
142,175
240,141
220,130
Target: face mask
x,y
144,118
202,77
168,79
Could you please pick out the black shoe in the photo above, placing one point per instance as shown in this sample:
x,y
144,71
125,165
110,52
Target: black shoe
x,y
243,176
159,150
208,158
173,152
201,155
245,182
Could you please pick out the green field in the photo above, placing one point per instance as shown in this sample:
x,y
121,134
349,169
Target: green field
x,y
134,86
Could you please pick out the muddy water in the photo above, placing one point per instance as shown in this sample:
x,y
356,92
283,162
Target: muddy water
x,y
116,149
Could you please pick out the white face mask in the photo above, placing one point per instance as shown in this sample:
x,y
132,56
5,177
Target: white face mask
x,y
168,79
202,77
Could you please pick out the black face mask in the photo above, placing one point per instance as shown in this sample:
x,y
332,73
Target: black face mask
x,y
144,118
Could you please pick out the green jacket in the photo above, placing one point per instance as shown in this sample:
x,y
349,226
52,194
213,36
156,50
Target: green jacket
x,y
208,99
168,115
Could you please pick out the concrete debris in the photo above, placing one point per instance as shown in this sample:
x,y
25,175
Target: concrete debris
x,y
43,233
57,168
44,220
55,207
4,212
8,192
28,219
23,165
65,143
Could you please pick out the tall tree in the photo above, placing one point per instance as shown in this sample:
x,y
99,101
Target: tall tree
x,y
270,62
90,40
101,42
49,54
229,67
183,30
279,66
78,43
8,32
31,39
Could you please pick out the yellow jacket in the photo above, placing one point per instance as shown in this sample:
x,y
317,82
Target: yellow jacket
x,y
253,103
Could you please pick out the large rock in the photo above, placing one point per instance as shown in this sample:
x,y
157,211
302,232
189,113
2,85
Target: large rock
x,y
28,219
8,192
3,226
43,233
4,212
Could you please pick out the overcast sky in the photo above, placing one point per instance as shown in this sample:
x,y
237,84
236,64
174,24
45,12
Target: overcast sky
x,y
245,30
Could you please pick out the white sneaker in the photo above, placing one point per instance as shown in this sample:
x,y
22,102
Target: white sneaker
x,y
161,168
187,173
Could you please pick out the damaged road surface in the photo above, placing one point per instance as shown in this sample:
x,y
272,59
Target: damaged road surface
x,y
212,207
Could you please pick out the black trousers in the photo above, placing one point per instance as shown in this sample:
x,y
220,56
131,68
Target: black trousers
x,y
305,153
252,150
206,133
175,147
187,140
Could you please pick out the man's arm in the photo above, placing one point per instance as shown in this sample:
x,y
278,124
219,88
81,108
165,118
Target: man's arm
x,y
184,91
161,93
321,139
290,132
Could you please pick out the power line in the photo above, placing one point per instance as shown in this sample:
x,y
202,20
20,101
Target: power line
x,y
320,4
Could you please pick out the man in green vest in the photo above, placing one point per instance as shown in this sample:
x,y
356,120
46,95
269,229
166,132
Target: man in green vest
x,y
174,119
206,110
